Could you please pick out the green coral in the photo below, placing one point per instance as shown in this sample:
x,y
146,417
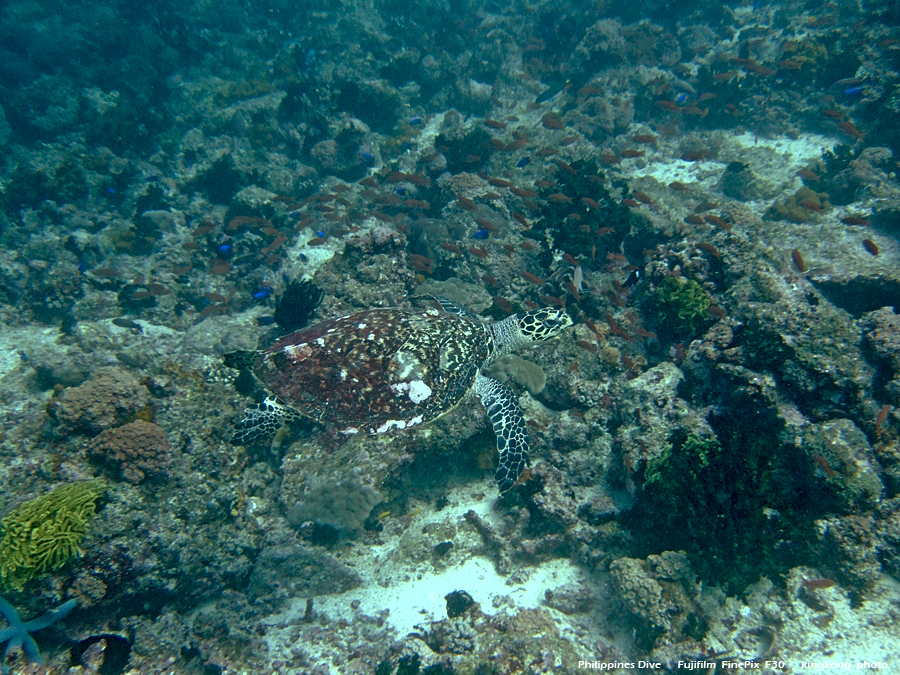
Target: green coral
x,y
681,305
691,459
763,347
738,503
45,533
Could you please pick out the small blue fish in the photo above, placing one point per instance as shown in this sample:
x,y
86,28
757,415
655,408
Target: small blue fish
x,y
415,121
401,191
367,157
82,267
853,91
263,293
681,98
525,161
111,191
225,249
320,234
482,234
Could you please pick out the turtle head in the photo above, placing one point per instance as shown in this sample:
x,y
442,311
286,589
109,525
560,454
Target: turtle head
x,y
519,330
542,324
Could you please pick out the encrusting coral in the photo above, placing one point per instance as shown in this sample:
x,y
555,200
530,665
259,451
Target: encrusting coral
x,y
343,503
43,534
111,397
137,450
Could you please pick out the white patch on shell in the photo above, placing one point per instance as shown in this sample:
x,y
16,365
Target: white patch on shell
x,y
343,373
391,424
298,352
349,431
320,342
400,388
370,337
398,424
360,325
418,391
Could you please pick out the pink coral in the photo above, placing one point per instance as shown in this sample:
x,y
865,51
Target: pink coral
x,y
136,450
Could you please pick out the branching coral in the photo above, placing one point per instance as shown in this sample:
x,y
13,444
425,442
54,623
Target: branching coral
x,y
45,533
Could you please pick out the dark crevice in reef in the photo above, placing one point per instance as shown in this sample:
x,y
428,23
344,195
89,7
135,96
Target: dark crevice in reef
x,y
861,294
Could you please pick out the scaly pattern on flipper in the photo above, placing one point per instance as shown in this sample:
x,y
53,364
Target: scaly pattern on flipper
x,y
508,420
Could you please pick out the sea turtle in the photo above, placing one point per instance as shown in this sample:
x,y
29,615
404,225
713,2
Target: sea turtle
x,y
386,369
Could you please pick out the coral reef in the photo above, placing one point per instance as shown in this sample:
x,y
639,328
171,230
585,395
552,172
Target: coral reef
x,y
600,222
343,502
137,450
841,453
111,397
710,190
681,305
45,533
881,334
850,544
745,500
642,595
289,568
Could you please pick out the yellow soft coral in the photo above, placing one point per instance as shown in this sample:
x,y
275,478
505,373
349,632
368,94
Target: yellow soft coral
x,y
45,533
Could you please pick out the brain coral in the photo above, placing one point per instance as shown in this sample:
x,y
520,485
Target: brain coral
x,y
136,450
109,398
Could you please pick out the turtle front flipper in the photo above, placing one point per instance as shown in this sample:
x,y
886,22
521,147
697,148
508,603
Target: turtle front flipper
x,y
264,419
508,420
451,307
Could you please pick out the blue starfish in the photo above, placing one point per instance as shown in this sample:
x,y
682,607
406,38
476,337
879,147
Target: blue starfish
x,y
18,633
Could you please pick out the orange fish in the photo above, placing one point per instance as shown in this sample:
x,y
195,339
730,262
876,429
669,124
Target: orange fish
x,y
850,129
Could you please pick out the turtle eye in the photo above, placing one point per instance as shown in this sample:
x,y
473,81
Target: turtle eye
x,y
556,321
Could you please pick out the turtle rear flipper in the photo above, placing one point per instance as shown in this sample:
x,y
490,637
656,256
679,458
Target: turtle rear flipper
x,y
263,420
508,421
